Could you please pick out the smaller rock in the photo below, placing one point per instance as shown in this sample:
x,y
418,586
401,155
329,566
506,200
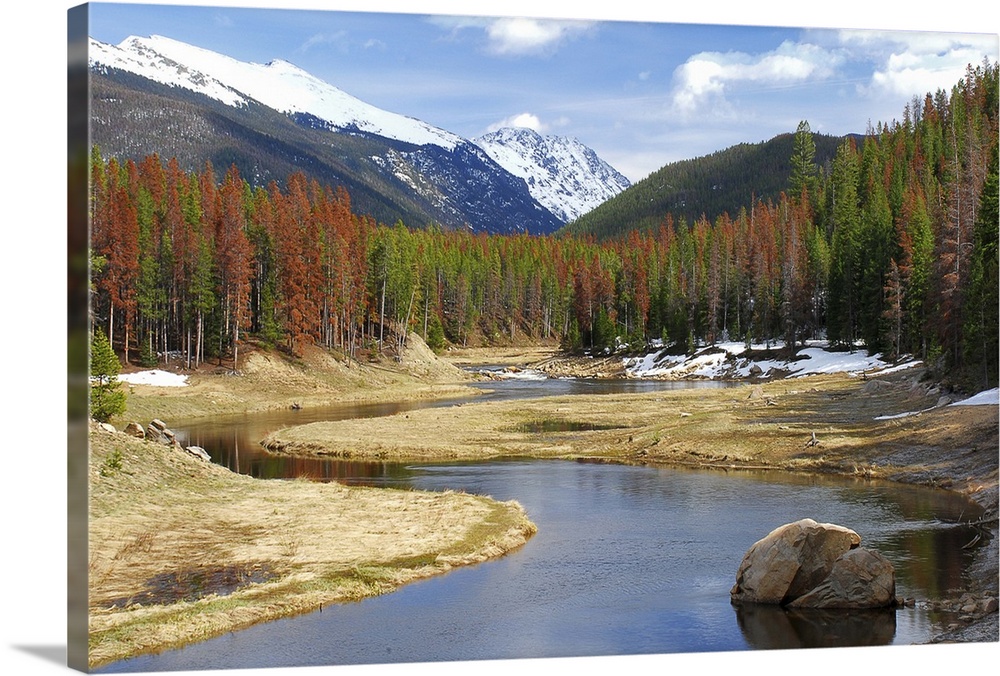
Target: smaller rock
x,y
873,386
108,427
134,429
199,452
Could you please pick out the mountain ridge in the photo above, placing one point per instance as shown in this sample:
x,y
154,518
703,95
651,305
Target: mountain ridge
x,y
708,186
275,118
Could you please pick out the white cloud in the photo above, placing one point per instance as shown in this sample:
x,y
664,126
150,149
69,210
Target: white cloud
x,y
914,63
336,39
707,77
527,120
517,36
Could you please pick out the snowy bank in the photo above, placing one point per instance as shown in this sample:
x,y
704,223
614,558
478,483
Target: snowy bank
x,y
987,398
730,361
154,377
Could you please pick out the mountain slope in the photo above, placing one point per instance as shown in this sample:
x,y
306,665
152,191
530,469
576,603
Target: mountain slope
x,y
709,186
564,175
155,95
278,84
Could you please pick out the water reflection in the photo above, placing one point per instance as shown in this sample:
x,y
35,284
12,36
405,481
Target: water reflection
x,y
769,627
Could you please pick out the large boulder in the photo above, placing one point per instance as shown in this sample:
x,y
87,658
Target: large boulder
x,y
806,564
860,578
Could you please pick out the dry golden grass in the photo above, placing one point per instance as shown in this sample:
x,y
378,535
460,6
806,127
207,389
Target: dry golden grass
x,y
751,426
268,380
162,522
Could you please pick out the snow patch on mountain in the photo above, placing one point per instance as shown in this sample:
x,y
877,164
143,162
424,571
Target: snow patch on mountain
x,y
278,84
563,175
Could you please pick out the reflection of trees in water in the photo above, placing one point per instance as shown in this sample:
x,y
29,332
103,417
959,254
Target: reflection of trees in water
x,y
768,627
947,550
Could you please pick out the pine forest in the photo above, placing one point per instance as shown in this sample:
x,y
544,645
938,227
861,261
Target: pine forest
x,y
891,246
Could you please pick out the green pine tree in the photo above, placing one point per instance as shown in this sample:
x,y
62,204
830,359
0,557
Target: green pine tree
x,y
983,328
107,399
804,173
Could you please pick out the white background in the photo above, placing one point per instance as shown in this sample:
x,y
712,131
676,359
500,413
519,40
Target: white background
x,y
33,310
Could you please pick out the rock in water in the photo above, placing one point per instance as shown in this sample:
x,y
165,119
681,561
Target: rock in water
x,y
860,579
810,564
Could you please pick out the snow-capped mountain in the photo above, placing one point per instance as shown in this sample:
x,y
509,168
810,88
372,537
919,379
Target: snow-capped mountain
x,y
564,175
158,95
277,84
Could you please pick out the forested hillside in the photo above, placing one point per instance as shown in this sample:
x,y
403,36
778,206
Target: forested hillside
x,y
893,246
388,179
708,186
133,117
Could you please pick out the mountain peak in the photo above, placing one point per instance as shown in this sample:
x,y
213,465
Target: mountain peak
x,y
278,84
564,175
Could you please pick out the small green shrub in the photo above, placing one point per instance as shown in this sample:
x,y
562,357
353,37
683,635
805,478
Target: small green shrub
x,y
112,463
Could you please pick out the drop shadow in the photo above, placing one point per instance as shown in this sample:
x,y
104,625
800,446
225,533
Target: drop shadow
x,y
56,654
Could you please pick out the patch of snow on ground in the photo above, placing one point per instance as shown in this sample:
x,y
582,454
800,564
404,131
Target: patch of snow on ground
x,y
899,415
987,398
155,377
506,373
722,363
523,374
822,361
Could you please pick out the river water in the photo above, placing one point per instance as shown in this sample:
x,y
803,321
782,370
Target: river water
x,y
627,560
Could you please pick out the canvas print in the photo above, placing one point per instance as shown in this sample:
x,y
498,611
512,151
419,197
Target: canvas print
x,y
413,338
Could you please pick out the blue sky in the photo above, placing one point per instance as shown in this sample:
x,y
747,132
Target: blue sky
x,y
642,91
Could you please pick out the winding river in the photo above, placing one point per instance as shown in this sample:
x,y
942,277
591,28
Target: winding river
x,y
627,560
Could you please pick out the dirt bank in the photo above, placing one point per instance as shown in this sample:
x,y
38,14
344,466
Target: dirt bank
x,y
768,425
270,379
182,549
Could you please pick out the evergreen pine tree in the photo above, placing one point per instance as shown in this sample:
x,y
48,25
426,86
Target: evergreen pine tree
x,y
983,328
107,399
804,172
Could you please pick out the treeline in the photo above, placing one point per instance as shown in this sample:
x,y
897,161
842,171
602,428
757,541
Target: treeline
x,y
894,246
